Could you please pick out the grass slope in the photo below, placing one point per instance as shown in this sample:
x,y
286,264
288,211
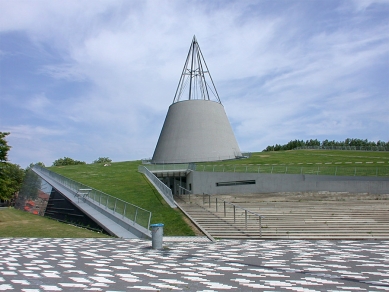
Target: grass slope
x,y
122,180
16,223
328,161
313,156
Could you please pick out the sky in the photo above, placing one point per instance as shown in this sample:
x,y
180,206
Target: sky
x,y
87,79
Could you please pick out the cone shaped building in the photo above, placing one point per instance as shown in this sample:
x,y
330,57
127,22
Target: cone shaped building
x,y
196,127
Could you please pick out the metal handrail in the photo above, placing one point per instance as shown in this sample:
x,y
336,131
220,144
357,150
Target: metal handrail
x,y
246,211
185,192
166,192
167,167
118,206
335,169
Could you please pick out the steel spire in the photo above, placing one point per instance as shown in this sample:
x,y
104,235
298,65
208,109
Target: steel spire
x,y
196,81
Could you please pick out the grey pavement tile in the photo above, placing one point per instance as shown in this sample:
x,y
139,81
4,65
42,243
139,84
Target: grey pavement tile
x,y
31,264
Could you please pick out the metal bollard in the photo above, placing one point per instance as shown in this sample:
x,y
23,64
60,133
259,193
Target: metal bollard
x,y
157,235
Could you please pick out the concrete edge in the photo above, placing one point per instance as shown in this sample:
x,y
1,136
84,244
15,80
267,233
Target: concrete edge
x,y
124,222
167,200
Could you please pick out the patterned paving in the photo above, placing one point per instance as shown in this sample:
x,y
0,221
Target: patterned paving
x,y
236,265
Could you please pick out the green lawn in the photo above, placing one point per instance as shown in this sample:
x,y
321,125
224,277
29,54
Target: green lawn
x,y
16,223
122,180
328,162
315,156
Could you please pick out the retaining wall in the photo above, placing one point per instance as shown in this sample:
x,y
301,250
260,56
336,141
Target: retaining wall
x,y
230,182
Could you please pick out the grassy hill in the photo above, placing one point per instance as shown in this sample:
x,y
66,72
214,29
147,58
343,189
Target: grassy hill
x,y
305,157
122,180
327,162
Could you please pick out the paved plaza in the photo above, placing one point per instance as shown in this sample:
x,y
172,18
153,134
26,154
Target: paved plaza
x,y
36,264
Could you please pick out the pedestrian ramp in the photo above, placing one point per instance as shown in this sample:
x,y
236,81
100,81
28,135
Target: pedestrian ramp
x,y
116,217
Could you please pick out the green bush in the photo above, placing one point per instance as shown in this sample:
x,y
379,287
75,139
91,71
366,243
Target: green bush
x,y
103,160
67,161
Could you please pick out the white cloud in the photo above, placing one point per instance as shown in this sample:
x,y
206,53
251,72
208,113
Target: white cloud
x,y
29,132
110,71
68,72
362,5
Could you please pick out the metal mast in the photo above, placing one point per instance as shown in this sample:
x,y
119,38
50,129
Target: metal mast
x,y
196,81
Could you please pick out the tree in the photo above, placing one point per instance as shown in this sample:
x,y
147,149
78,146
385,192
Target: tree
x,y
312,142
11,178
4,148
11,175
67,161
316,143
103,160
41,164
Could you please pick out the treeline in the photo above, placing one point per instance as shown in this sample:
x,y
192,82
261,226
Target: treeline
x,y
70,161
12,175
326,143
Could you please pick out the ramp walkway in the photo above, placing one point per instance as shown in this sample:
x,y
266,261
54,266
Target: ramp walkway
x,y
111,213
359,216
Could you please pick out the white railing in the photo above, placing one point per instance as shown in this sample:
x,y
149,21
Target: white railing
x,y
167,167
164,190
286,169
193,159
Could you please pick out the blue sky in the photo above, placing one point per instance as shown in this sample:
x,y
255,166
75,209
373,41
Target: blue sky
x,y
90,79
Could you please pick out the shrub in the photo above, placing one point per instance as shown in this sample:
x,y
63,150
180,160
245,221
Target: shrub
x,y
103,160
67,161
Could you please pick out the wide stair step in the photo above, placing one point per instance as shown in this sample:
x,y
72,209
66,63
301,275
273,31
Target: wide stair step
x,y
352,219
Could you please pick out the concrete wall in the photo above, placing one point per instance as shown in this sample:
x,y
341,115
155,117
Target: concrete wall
x,y
205,182
195,131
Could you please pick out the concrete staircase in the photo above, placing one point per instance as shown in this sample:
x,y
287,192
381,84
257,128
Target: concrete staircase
x,y
292,216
